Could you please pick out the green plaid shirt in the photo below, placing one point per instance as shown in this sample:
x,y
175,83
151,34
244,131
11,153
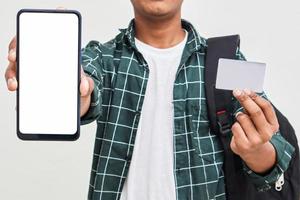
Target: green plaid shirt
x,y
120,74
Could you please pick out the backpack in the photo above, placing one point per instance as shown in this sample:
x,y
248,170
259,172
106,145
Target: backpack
x,y
238,186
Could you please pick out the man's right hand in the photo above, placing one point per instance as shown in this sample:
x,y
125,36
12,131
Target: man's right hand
x,y
86,83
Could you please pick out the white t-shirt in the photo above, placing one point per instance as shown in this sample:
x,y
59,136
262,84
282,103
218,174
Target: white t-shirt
x,y
150,175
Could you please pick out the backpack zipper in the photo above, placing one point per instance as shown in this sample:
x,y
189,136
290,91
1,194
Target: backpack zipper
x,y
279,183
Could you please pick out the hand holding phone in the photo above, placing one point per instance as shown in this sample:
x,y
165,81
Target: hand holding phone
x,y
86,84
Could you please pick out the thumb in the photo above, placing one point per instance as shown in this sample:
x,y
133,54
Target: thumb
x,y
233,145
84,86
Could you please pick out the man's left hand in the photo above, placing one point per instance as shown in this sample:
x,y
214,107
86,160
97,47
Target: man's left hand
x,y
253,130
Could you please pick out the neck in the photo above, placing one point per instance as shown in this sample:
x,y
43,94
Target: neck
x,y
159,33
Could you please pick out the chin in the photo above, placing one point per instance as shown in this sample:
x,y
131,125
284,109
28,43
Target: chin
x,y
157,8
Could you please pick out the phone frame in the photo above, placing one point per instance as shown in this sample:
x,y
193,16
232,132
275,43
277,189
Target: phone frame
x,y
43,136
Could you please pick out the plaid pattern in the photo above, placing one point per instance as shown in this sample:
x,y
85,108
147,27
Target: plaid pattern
x,y
120,74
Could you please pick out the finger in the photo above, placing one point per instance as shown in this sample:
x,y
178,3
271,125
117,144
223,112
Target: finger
x,y
12,55
11,80
91,84
240,137
10,71
253,109
234,147
87,87
245,111
61,8
84,86
250,130
12,44
12,84
267,108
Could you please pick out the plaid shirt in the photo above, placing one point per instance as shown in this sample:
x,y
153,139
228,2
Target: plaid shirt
x,y
120,74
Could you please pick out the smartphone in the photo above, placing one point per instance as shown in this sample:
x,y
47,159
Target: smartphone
x,y
48,74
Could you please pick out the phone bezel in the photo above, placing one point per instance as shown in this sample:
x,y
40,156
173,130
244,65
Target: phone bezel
x,y
45,136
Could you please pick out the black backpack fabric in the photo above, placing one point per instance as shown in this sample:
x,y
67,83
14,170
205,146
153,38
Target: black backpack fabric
x,y
238,186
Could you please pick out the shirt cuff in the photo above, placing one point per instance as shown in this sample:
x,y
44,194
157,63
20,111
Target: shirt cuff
x,y
95,108
284,151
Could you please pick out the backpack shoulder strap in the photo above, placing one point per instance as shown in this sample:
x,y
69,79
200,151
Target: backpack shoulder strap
x,y
219,101
219,105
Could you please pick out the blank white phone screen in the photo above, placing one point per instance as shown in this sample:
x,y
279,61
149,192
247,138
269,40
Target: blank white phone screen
x,y
48,73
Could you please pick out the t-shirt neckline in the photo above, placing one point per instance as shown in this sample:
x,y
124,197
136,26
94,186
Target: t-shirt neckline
x,y
161,50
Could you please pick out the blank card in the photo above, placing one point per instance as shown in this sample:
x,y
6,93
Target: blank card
x,y
238,74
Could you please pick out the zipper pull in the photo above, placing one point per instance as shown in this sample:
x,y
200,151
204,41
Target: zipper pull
x,y
279,183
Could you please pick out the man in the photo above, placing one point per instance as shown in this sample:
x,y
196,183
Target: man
x,y
153,141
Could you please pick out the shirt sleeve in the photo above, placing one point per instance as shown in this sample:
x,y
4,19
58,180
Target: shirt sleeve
x,y
92,65
283,148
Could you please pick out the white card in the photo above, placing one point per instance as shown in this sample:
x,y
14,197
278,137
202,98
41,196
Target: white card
x,y
238,74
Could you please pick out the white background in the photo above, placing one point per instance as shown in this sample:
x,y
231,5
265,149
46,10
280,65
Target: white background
x,y
269,31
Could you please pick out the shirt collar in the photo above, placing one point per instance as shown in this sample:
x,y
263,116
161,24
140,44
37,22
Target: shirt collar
x,y
194,41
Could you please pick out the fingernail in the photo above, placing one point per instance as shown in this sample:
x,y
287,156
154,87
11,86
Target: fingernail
x,y
237,93
12,51
247,91
10,80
